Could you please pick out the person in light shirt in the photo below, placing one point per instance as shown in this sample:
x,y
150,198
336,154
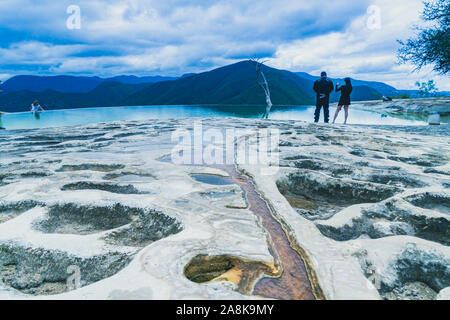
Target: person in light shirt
x,y
1,124
36,109
1,113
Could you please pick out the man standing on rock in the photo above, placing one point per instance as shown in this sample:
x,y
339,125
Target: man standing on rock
x,y
323,87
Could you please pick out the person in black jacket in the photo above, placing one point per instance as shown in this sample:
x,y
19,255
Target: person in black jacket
x,y
323,87
344,101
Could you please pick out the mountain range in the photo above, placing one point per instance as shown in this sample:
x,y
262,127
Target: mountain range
x,y
70,83
230,85
381,87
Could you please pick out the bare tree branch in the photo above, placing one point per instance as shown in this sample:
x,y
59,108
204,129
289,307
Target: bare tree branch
x,y
264,85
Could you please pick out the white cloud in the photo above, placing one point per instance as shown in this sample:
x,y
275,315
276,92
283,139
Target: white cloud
x,y
33,52
5,76
174,37
360,52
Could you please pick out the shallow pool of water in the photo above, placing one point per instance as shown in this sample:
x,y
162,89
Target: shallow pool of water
x,y
84,116
211,179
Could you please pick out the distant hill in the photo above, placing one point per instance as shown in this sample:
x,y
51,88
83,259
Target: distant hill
x,y
56,83
381,87
363,93
70,83
105,95
233,84
138,80
188,75
230,85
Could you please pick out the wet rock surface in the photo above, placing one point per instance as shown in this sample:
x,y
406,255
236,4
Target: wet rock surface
x,y
42,236
11,210
392,217
414,269
109,187
359,186
147,226
409,106
40,271
45,270
375,199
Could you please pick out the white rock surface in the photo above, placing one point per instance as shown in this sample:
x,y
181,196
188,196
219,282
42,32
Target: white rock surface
x,y
384,180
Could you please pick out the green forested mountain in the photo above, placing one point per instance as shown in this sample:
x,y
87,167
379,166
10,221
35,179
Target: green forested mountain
x,y
363,93
233,84
70,83
107,94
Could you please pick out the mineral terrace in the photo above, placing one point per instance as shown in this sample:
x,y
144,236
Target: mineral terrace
x,y
348,212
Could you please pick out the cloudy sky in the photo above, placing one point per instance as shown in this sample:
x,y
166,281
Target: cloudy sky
x,y
173,37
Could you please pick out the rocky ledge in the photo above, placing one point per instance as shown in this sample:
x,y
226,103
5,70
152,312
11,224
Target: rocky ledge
x,y
423,106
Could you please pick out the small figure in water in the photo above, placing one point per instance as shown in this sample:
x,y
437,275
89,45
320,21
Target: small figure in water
x,y
36,109
1,124
344,101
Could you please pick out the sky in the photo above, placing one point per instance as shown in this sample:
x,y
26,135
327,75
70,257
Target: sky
x,y
174,37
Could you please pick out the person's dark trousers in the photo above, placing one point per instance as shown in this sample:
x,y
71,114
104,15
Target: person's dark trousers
x,y
326,112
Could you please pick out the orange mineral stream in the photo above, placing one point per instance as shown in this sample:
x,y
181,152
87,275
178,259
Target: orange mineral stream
x,y
297,280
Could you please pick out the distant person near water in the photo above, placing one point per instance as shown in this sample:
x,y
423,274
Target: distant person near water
x,y
1,113
36,109
344,101
1,124
323,88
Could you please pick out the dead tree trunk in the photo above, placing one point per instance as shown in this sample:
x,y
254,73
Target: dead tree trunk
x,y
264,85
